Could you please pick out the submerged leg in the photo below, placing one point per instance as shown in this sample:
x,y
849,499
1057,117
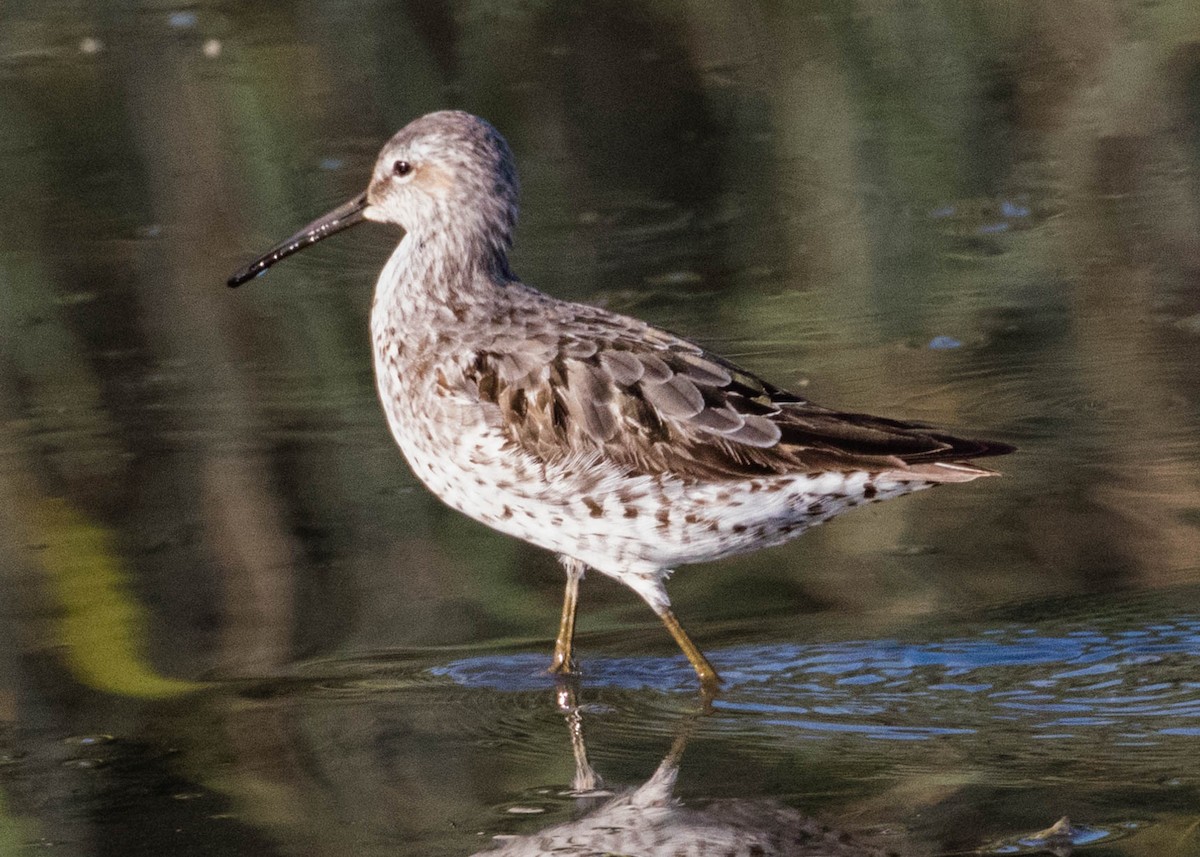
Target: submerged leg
x,y
709,680
564,645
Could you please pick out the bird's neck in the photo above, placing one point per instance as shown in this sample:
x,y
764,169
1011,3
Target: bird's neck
x,y
435,272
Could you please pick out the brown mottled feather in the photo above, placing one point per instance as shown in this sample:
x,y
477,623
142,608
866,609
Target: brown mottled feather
x,y
655,403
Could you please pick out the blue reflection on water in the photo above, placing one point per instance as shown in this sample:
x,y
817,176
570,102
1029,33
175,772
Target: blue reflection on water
x,y
1140,682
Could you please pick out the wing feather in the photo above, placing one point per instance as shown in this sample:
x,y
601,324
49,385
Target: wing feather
x,y
675,397
655,403
622,367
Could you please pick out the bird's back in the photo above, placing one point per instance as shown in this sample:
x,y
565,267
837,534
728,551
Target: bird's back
x,y
570,380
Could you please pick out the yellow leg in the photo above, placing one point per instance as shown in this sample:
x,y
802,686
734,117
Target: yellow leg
x,y
564,645
709,680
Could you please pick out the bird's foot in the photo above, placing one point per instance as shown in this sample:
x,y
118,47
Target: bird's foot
x,y
563,664
710,689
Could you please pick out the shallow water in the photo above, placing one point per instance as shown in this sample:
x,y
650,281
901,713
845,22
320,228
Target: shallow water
x,y
232,622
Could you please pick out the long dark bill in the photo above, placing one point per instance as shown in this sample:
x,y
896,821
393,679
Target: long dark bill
x,y
342,217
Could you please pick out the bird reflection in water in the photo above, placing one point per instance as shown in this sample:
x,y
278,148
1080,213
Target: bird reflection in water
x,y
649,820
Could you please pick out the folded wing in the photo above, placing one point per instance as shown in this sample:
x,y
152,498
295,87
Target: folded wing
x,y
651,402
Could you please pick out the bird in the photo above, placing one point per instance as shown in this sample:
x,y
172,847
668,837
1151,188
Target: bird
x,y
651,820
619,446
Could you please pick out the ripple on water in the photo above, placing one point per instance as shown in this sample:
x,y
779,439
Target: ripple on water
x,y
1006,688
1099,690
398,693
1126,696
608,686
1061,838
528,672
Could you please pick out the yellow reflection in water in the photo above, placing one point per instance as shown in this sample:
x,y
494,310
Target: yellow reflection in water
x,y
100,625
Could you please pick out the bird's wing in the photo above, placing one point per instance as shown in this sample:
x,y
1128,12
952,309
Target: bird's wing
x,y
652,402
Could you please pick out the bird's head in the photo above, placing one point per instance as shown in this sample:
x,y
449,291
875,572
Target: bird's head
x,y
447,177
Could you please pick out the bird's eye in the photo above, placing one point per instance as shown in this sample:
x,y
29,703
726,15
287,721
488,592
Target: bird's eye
x,y
402,168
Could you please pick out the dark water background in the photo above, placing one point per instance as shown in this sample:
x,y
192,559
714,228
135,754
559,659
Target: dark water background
x,y
233,623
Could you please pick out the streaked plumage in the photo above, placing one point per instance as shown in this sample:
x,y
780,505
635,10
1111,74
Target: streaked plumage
x,y
650,821
618,445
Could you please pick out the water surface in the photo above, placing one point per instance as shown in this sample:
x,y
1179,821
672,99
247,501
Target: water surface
x,y
234,623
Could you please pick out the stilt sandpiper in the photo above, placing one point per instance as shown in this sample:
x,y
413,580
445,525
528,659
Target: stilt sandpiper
x,y
617,445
